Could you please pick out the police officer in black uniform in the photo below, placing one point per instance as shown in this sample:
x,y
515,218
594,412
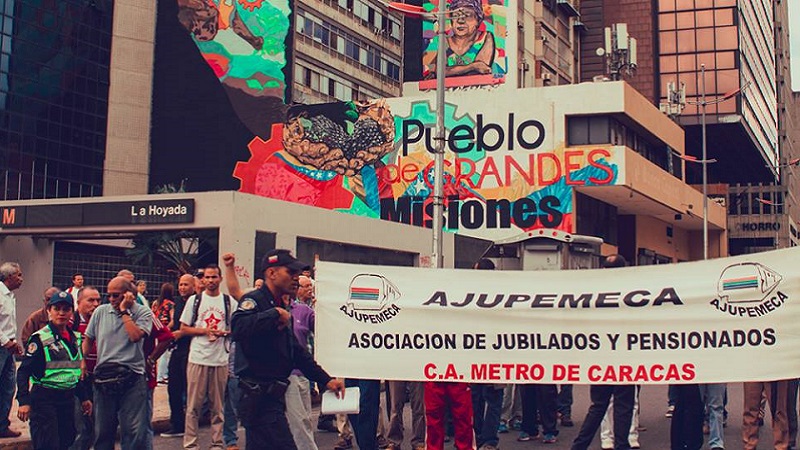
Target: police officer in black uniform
x,y
267,352
53,365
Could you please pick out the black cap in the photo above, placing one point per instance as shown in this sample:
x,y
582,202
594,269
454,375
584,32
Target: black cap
x,y
199,273
60,297
279,257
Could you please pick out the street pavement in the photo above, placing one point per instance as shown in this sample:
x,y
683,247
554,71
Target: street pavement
x,y
653,405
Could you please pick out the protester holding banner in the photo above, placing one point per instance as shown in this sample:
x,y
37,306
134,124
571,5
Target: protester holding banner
x,y
438,396
601,397
714,401
753,392
791,408
487,399
267,352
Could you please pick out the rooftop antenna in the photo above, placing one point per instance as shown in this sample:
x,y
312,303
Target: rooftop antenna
x,y
620,52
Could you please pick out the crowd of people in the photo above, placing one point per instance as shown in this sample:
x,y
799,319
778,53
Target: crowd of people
x,y
88,359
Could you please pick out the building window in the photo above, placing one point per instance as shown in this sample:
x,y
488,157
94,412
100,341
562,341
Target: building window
x,y
588,130
344,43
596,218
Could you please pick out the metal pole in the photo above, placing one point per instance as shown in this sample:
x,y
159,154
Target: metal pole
x,y
705,163
438,167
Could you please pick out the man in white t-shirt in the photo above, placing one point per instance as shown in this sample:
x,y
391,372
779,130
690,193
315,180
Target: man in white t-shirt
x,y
206,318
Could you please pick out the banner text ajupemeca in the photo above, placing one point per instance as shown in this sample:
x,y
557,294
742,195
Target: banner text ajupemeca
x,y
723,320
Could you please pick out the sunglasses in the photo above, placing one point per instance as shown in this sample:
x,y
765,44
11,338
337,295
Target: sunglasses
x,y
115,294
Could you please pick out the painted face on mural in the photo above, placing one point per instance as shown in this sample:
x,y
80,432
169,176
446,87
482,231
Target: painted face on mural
x,y
465,23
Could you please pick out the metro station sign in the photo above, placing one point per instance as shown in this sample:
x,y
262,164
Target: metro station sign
x,y
98,214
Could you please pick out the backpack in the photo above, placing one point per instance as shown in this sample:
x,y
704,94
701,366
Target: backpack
x,y
226,299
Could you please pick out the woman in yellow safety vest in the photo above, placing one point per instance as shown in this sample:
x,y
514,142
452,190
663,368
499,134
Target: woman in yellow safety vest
x,y
52,363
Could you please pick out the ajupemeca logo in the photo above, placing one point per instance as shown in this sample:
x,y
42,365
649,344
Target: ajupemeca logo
x,y
749,290
372,299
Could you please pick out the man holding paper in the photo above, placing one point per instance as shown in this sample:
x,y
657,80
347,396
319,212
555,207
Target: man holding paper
x,y
267,352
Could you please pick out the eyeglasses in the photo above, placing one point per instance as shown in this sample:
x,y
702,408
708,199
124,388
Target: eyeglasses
x,y
115,294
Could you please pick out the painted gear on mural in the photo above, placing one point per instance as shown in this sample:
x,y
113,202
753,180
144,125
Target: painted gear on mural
x,y
268,174
251,5
325,145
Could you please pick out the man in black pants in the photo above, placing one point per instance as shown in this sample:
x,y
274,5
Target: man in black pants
x,y
601,395
686,427
267,352
176,387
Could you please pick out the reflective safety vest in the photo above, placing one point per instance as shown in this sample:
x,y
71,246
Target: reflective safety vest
x,y
62,368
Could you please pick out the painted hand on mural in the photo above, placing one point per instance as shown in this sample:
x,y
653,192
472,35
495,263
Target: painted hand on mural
x,y
341,141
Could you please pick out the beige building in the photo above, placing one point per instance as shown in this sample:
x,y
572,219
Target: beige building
x,y
346,50
549,40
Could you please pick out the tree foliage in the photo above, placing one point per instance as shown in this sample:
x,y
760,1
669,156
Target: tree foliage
x,y
184,250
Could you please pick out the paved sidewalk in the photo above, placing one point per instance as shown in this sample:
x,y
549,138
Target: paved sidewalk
x,y
160,421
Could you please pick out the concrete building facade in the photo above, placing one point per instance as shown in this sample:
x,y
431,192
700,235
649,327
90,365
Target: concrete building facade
x,y
743,46
346,50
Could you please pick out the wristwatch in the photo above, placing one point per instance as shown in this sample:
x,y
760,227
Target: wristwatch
x,y
125,313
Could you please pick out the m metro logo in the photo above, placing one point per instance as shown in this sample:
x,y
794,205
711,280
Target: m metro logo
x,y
12,217
371,299
749,289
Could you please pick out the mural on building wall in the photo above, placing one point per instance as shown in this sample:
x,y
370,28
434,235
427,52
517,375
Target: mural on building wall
x,y
476,43
245,42
502,175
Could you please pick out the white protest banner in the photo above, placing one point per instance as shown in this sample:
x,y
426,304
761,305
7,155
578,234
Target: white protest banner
x,y
723,320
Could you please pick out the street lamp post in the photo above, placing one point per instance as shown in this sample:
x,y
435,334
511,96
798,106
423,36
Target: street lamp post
x,y
705,162
703,103
438,166
438,163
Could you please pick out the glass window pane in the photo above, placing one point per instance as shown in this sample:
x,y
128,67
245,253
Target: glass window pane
x,y
666,21
685,20
669,64
666,5
727,107
723,17
667,42
726,60
707,59
727,38
578,130
711,83
686,42
727,80
686,63
690,79
598,130
705,18
705,39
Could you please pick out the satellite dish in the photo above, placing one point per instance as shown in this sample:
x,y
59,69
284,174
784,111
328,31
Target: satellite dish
x,y
600,51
